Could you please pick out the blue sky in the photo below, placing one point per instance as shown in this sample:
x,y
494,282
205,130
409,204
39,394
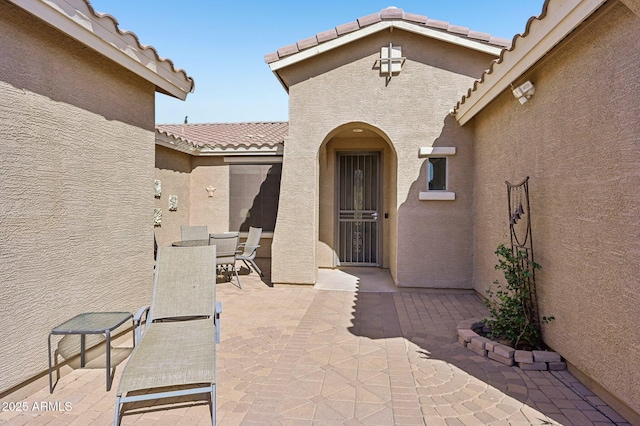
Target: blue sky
x,y
222,44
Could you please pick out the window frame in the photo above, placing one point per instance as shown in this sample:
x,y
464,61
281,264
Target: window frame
x,y
437,194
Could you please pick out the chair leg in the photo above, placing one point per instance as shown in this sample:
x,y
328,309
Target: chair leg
x,y
116,421
213,405
237,277
256,268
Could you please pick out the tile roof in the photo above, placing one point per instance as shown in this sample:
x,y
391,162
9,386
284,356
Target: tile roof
x,y
390,13
228,135
538,38
100,32
506,52
105,17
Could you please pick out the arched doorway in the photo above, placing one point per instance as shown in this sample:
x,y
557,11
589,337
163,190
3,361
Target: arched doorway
x,y
357,202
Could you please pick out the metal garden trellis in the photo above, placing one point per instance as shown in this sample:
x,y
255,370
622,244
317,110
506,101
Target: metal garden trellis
x,y
521,239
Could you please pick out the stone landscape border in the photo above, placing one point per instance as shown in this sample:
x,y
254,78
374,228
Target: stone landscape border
x,y
526,360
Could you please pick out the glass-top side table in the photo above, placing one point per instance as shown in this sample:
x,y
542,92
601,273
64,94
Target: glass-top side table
x,y
91,323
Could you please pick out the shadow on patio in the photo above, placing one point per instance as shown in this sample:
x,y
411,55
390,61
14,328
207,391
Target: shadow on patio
x,y
304,356
448,381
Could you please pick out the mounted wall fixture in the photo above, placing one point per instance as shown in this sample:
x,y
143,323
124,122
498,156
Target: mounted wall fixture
x,y
523,92
173,203
391,61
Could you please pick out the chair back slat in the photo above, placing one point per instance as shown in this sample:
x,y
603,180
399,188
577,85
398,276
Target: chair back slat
x,y
252,242
189,233
184,282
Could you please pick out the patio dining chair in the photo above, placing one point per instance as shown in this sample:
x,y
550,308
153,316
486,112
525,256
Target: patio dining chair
x,y
227,250
250,249
190,233
176,355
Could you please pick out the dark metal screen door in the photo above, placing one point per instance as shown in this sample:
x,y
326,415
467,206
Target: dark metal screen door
x,y
358,203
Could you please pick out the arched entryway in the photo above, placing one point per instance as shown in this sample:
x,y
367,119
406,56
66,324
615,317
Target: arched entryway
x,y
357,198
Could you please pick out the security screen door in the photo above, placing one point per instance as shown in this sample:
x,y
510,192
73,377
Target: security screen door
x,y
358,203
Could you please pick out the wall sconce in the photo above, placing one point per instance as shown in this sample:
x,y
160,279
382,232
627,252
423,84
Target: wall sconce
x,y
210,190
523,92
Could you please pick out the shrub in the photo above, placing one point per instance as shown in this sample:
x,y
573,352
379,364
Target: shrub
x,y
511,305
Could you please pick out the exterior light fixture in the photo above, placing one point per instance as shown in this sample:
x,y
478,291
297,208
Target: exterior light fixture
x,y
357,130
523,92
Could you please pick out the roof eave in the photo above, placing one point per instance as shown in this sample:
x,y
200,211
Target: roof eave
x,y
524,53
171,141
374,28
83,26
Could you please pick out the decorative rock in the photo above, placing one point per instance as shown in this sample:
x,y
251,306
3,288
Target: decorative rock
x,y
504,351
557,366
467,334
477,345
523,357
501,359
546,356
535,366
480,342
489,346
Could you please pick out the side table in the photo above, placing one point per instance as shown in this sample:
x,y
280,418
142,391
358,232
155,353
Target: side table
x,y
91,323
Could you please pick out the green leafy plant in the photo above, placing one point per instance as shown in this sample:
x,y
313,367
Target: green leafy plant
x,y
511,305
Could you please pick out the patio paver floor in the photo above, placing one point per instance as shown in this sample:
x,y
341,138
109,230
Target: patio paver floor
x,y
295,355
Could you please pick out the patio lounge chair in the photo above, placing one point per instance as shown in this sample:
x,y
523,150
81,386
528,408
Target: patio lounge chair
x,y
190,233
226,249
250,248
181,330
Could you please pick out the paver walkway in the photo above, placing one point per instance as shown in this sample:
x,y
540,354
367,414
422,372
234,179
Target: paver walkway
x,y
296,355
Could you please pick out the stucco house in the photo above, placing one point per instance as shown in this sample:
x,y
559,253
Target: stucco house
x,y
77,120
402,133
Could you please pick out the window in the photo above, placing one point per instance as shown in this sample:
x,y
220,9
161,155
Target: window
x,y
437,174
254,191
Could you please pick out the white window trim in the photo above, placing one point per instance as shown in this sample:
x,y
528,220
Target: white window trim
x,y
435,195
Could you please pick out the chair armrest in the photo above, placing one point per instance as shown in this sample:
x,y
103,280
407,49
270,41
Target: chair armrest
x,y
137,321
248,247
217,320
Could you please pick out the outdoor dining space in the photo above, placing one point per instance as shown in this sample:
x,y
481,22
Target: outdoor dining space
x,y
302,355
229,249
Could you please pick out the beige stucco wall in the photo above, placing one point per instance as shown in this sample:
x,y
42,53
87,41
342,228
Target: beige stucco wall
x,y
188,176
173,169
76,178
577,138
433,238
210,211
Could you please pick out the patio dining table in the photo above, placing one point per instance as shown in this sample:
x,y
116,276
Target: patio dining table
x,y
190,243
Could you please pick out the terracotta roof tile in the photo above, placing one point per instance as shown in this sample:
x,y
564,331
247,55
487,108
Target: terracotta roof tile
x,y
228,134
369,19
480,36
109,21
307,43
412,17
288,50
458,29
510,47
327,35
347,28
434,23
390,13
